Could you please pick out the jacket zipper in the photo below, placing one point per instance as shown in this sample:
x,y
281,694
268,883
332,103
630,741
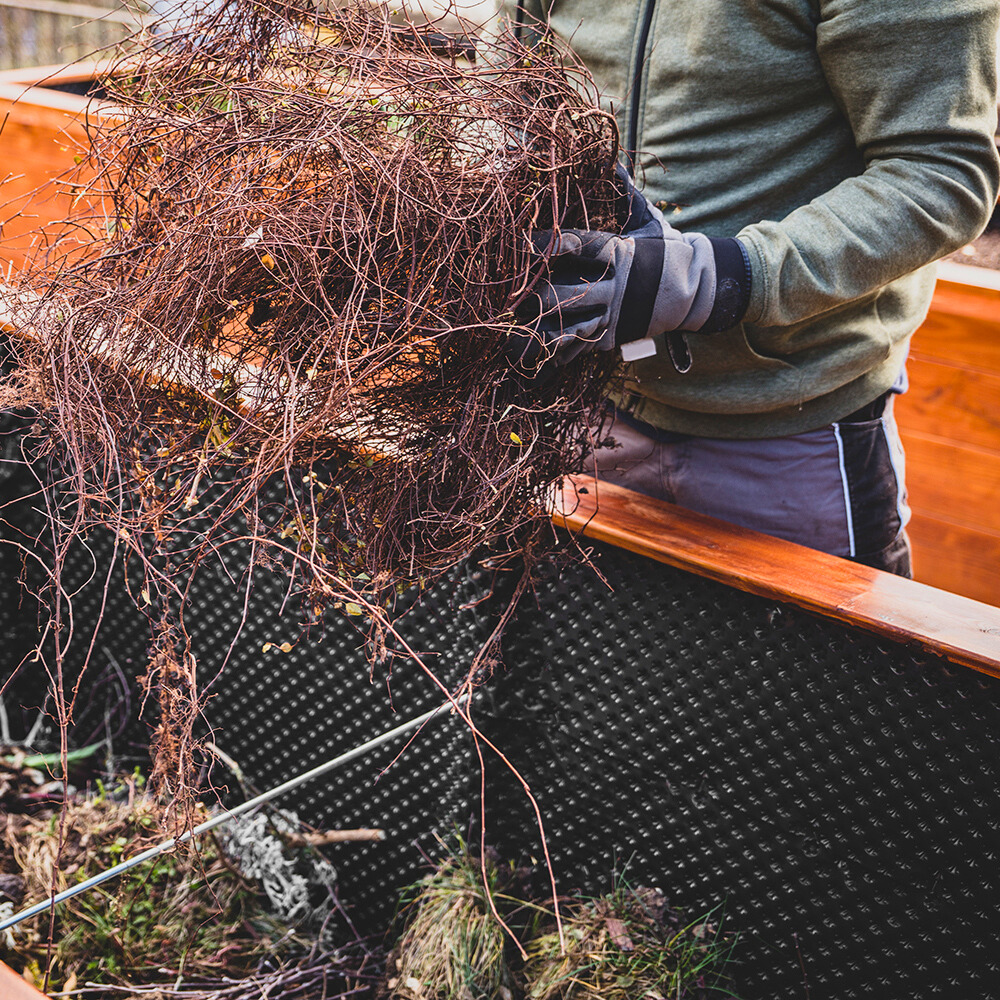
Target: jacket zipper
x,y
633,124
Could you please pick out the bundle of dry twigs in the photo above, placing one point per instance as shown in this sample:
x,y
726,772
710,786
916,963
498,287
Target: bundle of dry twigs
x,y
313,230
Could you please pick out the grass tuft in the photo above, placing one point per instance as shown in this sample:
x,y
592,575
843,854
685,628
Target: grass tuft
x,y
452,948
626,945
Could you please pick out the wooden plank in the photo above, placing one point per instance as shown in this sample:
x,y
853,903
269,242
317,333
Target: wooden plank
x,y
956,483
956,558
41,132
951,274
950,424
41,105
13,987
963,630
951,402
55,73
969,341
76,13
963,323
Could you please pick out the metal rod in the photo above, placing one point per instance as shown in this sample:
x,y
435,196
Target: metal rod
x,y
227,815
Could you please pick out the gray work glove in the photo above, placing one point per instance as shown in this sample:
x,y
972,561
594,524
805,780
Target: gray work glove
x,y
603,290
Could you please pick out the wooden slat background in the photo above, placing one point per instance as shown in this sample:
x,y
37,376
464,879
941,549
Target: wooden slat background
x,y
41,32
950,425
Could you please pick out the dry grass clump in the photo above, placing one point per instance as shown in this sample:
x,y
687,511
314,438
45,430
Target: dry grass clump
x,y
624,946
453,947
627,945
197,924
286,327
183,915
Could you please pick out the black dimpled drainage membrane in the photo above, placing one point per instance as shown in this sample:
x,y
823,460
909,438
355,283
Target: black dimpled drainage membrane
x,y
834,793
837,794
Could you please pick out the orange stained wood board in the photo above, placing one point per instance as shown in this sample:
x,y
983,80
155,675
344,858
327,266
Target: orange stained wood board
x,y
950,424
952,403
964,319
13,987
40,134
953,482
956,558
963,630
967,341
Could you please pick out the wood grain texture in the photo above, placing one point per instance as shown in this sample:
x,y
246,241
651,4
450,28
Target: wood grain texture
x,y
964,317
13,987
952,481
968,341
42,132
950,425
952,403
963,630
956,558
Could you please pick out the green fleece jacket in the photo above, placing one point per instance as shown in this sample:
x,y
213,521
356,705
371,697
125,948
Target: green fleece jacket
x,y
847,143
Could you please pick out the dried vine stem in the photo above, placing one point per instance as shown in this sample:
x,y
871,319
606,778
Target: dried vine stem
x,y
290,309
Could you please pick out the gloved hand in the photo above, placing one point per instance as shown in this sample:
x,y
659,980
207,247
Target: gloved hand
x,y
603,290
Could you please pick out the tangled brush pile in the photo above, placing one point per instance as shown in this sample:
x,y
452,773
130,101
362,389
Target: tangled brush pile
x,y
310,236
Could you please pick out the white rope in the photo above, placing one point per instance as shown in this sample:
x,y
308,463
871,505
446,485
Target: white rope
x,y
227,815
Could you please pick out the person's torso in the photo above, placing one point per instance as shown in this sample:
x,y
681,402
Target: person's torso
x,y
735,125
724,100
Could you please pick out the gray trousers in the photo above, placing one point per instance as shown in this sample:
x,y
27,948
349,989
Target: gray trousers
x,y
839,488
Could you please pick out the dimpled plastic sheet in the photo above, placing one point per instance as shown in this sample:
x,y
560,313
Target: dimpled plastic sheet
x,y
833,795
18,612
276,714
107,632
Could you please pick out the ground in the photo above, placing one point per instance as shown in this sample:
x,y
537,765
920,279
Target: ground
x,y
984,252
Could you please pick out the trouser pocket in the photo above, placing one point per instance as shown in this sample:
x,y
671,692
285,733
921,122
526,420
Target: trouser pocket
x,y
873,469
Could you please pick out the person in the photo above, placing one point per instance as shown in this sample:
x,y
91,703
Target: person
x,y
801,163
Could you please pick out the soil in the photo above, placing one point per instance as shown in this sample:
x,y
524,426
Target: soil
x,y
984,252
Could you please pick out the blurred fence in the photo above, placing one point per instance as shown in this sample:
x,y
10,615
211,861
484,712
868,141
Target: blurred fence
x,y
44,32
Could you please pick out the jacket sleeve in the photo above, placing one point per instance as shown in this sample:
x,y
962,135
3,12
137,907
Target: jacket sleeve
x,y
917,84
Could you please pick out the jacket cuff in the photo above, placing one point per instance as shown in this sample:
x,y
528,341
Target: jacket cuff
x,y
732,285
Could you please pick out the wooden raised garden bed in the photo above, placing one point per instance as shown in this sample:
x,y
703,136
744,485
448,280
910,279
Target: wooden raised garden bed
x,y
950,425
38,32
